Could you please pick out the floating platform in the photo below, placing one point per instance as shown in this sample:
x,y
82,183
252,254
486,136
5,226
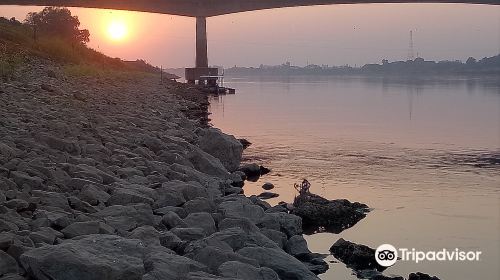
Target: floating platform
x,y
210,78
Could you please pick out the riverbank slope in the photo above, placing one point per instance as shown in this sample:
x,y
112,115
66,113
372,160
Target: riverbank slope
x,y
119,176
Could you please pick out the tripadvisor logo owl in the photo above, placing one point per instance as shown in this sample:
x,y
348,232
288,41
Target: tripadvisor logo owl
x,y
386,255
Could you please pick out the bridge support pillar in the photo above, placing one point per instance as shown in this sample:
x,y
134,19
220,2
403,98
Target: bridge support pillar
x,y
201,73
201,43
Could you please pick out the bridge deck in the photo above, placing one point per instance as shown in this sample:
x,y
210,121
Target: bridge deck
x,y
208,8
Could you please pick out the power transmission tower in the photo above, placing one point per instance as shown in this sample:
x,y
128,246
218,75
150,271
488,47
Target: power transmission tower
x,y
411,51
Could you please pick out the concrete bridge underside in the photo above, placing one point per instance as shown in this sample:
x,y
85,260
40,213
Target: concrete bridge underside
x,y
201,9
209,8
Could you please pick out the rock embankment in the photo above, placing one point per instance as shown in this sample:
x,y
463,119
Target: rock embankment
x,y
122,178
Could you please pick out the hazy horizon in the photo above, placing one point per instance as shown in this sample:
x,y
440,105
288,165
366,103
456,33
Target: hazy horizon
x,y
334,35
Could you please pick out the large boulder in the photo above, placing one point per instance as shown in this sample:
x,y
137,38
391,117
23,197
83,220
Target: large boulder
x,y
92,257
289,224
241,208
7,264
22,178
355,256
171,220
213,257
232,239
246,271
318,213
86,228
282,263
162,265
93,195
202,220
126,218
222,146
189,234
130,194
297,246
206,163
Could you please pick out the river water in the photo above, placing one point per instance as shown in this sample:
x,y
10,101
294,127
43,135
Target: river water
x,y
422,153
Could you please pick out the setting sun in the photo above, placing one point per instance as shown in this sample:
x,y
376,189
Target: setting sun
x,y
117,30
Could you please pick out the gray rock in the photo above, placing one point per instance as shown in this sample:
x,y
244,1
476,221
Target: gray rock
x,y
286,266
82,206
289,224
268,186
17,204
12,276
147,234
52,199
107,177
126,196
6,239
198,275
229,190
62,145
189,234
21,178
80,183
267,195
171,220
186,173
222,146
189,190
45,235
275,235
7,264
251,170
245,271
213,257
297,246
170,240
128,172
421,276
201,220
168,197
199,205
125,218
161,265
257,201
243,223
355,256
8,152
91,257
206,163
55,218
93,195
177,210
241,208
232,239
82,228
330,215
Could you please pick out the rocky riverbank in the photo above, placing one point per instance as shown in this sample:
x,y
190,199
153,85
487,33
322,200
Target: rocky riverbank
x,y
121,177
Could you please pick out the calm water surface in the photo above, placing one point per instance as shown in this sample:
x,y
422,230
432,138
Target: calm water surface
x,y
421,153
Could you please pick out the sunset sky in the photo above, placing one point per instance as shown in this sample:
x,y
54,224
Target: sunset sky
x,y
334,35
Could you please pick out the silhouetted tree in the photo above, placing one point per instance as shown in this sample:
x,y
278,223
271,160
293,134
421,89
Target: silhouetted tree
x,y
55,21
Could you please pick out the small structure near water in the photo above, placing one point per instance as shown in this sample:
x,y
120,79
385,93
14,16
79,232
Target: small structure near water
x,y
210,78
